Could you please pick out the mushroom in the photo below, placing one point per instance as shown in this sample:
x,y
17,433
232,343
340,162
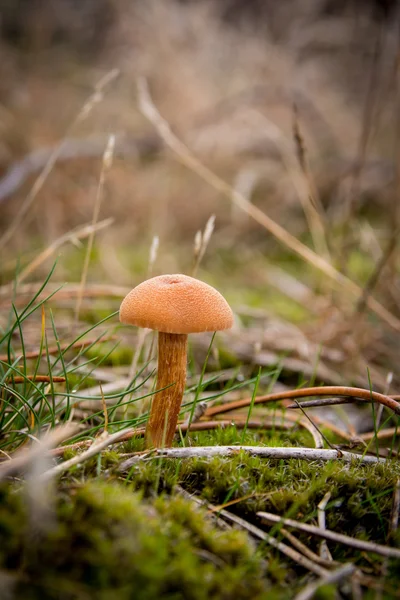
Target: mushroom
x,y
174,305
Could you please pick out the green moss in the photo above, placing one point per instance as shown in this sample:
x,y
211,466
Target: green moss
x,y
361,495
108,543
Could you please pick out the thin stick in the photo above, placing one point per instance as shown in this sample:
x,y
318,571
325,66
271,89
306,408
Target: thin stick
x,y
266,452
381,435
106,165
149,110
306,551
324,550
322,402
338,538
335,577
94,98
332,390
320,443
313,209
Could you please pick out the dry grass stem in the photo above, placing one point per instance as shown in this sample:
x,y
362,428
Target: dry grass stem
x,y
36,378
149,110
333,390
338,538
201,242
106,165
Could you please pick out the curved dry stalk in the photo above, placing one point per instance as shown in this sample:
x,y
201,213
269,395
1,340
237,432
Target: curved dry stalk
x,y
186,157
332,390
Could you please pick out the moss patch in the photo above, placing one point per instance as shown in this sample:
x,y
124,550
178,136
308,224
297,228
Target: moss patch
x,y
108,543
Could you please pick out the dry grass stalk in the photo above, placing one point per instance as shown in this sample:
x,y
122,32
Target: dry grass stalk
x,y
36,378
333,390
201,242
142,331
106,165
183,153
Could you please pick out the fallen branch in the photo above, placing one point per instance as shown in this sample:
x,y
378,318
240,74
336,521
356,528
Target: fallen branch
x,y
266,452
327,534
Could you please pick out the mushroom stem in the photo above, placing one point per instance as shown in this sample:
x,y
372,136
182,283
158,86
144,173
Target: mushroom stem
x,y
166,404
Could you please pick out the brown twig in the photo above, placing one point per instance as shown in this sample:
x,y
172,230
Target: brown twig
x,y
38,378
380,435
332,390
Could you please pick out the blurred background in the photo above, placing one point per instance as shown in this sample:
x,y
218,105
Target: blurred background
x,y
293,105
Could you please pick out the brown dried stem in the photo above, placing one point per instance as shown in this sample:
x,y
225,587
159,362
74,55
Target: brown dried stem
x,y
332,390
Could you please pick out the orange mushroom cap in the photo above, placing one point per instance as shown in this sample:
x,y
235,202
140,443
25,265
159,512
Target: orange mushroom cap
x,y
176,304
